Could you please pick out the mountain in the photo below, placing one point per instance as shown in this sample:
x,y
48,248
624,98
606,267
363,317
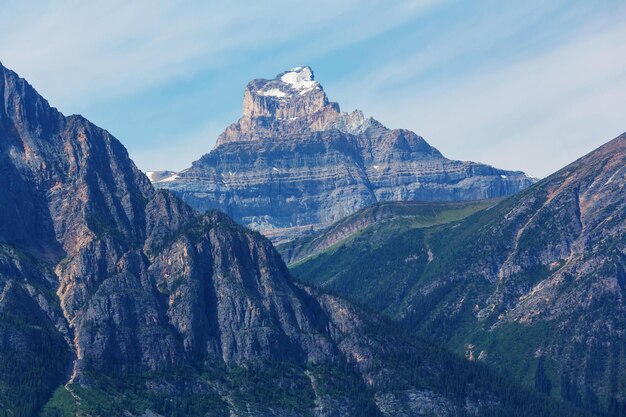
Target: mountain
x,y
535,286
387,218
295,163
118,299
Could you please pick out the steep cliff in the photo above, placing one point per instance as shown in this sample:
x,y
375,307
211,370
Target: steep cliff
x,y
295,163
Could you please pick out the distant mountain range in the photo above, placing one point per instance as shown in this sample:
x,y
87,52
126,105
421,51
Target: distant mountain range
x,y
294,163
534,285
117,299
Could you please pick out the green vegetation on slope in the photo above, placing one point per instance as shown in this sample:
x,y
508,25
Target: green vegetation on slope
x,y
442,282
389,217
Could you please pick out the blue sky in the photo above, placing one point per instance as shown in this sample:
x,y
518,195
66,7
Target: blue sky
x,y
527,85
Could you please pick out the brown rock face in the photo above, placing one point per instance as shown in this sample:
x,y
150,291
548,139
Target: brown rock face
x,y
292,102
295,163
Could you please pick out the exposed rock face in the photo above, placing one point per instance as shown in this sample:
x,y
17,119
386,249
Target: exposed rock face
x,y
554,261
34,354
293,102
104,279
535,285
294,163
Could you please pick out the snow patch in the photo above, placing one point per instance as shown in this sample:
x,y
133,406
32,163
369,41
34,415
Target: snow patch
x,y
610,180
170,178
156,176
272,92
301,79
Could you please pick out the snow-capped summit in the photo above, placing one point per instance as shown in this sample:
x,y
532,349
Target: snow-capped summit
x,y
296,81
301,79
292,102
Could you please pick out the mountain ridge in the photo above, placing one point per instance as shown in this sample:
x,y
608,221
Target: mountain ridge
x,y
408,213
533,285
295,163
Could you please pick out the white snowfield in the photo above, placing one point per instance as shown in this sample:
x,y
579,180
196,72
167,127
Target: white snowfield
x,y
301,79
170,178
151,175
156,176
272,92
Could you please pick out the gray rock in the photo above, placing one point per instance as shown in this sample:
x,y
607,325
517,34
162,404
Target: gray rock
x,y
295,163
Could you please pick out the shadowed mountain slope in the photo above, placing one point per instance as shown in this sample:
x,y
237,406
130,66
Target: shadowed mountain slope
x,y
534,285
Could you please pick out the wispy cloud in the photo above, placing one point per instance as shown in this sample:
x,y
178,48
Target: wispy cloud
x,y
77,52
522,85
538,111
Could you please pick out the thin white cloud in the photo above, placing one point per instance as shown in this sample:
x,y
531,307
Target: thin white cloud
x,y
537,113
78,52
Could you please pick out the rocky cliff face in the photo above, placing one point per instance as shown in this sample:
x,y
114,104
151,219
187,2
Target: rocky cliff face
x,y
295,163
129,303
534,285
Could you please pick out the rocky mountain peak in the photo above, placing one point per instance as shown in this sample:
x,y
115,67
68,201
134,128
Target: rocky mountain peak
x,y
291,103
291,94
300,80
22,103
275,168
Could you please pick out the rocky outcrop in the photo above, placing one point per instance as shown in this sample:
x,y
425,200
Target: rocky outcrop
x,y
295,163
131,303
